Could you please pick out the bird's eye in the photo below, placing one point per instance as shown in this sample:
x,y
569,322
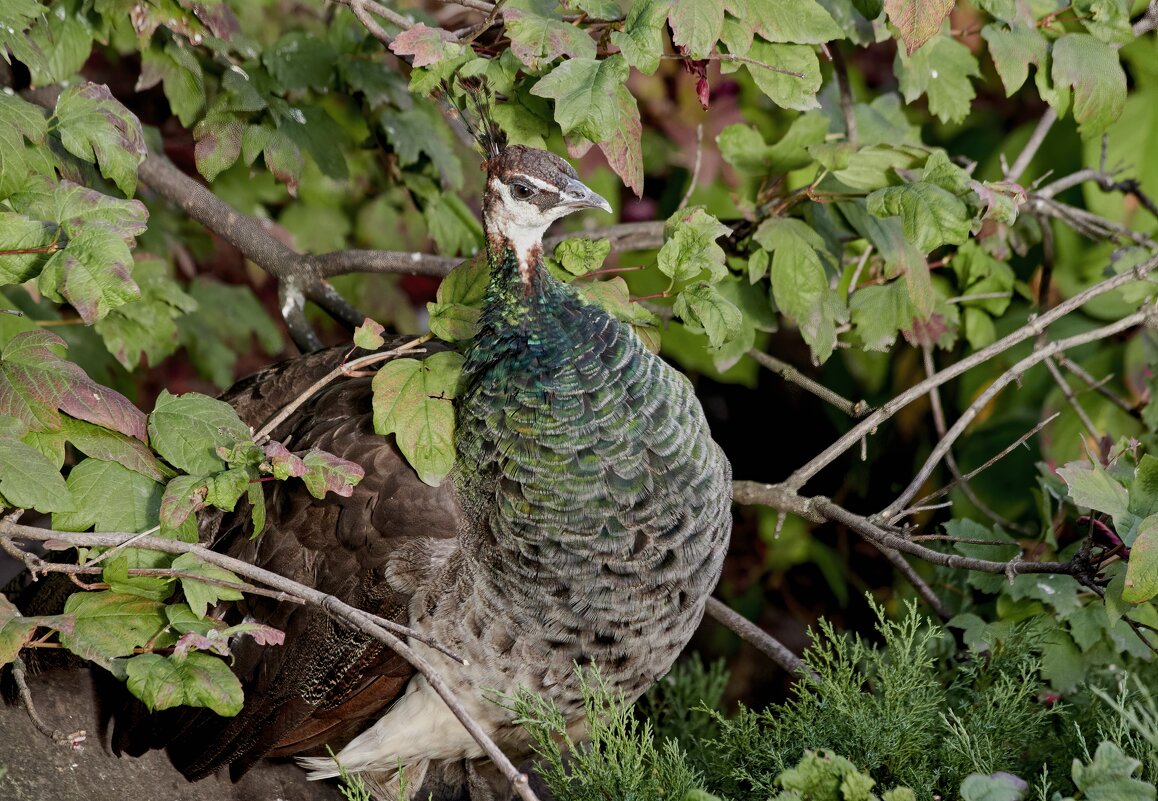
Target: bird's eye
x,y
522,191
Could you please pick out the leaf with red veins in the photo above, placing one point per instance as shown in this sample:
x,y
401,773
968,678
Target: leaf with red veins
x,y
917,21
326,472
212,641
36,383
427,45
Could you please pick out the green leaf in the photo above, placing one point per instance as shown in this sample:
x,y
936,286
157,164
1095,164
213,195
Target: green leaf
x,y
369,335
917,21
537,40
930,216
580,256
695,25
200,595
186,430
585,92
1108,20
1091,67
36,382
282,155
701,304
64,42
690,247
998,787
787,91
20,122
1092,487
1109,777
799,282
225,488
180,73
199,680
879,312
94,126
797,22
93,273
16,630
641,40
1142,569
218,147
941,70
300,61
744,148
110,624
414,401
146,327
183,496
77,208
225,323
153,588
29,480
1013,50
874,166
18,232
110,497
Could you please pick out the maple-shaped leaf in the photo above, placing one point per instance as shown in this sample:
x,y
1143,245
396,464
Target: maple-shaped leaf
x,y
326,472
284,463
37,383
917,21
96,127
427,45
537,40
369,335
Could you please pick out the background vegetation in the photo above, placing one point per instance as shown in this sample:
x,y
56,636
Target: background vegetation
x,y
904,247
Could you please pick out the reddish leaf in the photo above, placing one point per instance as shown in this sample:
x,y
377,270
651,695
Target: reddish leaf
x,y
326,472
427,45
283,463
262,634
36,382
917,20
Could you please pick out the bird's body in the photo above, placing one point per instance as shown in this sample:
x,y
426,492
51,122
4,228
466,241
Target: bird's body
x,y
586,524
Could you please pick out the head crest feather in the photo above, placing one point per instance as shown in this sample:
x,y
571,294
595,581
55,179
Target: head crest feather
x,y
476,111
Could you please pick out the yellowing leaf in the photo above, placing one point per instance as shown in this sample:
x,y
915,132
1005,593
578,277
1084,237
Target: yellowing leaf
x,y
917,21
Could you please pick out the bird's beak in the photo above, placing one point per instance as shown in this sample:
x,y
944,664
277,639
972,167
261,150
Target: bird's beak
x,y
576,195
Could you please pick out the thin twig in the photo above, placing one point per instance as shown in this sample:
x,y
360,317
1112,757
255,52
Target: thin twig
x,y
696,168
847,109
794,376
1072,399
1098,386
866,426
1032,146
1006,378
864,257
364,8
951,461
262,434
71,740
755,636
1008,449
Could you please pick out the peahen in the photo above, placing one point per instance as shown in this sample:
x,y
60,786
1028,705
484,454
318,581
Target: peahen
x,y
586,524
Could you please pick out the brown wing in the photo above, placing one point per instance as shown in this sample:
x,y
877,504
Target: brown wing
x,y
325,683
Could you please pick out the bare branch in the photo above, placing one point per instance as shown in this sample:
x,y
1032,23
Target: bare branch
x,y
1030,329
755,636
696,169
72,740
364,9
847,109
950,460
1068,393
794,376
368,624
1006,378
1032,146
1098,386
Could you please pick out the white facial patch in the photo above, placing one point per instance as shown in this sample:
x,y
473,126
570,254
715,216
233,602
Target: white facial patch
x,y
522,223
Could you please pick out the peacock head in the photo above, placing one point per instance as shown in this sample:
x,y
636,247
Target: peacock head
x,y
527,190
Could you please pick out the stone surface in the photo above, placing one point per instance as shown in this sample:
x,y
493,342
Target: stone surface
x,y
33,768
